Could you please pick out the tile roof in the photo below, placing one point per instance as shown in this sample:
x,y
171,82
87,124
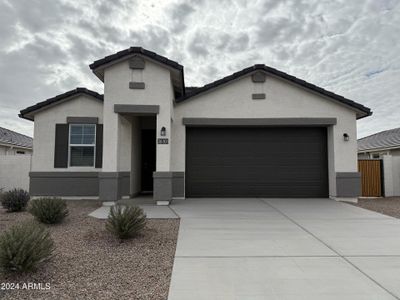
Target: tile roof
x,y
191,92
57,98
14,138
381,140
135,50
261,67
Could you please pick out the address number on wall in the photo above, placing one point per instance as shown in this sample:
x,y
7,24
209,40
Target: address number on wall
x,y
162,141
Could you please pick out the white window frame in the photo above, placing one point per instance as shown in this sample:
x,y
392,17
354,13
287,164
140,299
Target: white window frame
x,y
81,145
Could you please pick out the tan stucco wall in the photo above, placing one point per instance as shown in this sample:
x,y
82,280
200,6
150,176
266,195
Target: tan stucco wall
x,y
44,130
283,100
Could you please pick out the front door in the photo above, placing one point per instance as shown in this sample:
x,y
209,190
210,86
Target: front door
x,y
148,158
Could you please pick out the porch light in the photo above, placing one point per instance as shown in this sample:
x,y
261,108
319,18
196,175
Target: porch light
x,y
163,131
346,137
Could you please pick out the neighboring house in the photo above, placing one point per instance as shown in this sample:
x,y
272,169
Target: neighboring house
x,y
15,159
256,133
14,143
384,145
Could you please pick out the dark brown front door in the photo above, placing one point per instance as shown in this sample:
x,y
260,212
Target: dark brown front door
x,y
148,158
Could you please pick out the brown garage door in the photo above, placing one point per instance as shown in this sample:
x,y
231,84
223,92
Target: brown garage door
x,y
256,162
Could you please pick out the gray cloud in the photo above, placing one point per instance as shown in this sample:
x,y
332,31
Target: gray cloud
x,y
349,47
199,44
179,15
152,37
38,15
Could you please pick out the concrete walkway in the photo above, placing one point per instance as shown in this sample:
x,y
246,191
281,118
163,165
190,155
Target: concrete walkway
x,y
151,210
284,249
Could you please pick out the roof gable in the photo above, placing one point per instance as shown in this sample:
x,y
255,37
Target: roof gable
x,y
28,112
99,65
135,50
362,110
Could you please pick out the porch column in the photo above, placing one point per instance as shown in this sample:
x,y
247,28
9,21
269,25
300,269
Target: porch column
x,y
110,178
163,176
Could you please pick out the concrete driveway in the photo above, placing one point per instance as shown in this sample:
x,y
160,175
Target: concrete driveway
x,y
284,249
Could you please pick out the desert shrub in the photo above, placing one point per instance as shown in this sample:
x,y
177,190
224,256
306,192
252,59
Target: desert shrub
x,y
49,210
14,200
125,222
24,247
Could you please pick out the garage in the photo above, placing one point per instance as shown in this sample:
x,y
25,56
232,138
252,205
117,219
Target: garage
x,y
256,162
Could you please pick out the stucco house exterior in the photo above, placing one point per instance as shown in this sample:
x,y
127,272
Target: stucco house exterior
x,y
256,133
14,143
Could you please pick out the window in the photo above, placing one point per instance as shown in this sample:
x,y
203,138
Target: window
x,y
82,144
20,152
375,155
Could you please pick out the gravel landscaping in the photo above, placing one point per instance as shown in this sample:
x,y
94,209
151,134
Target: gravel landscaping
x,y
91,264
388,206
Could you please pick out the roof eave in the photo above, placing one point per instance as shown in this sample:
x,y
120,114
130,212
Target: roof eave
x,y
28,113
378,149
26,117
361,110
363,115
15,146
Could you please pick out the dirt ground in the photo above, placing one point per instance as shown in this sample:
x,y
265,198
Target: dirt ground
x,y
389,206
91,264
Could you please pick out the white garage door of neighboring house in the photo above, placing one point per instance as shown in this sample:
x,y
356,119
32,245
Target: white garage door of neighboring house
x,y
256,162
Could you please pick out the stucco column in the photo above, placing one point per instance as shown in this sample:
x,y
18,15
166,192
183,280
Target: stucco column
x,y
109,178
163,176
348,179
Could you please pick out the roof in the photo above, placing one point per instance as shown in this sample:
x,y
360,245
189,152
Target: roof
x,y
97,70
381,140
186,93
190,89
260,67
24,113
135,50
15,139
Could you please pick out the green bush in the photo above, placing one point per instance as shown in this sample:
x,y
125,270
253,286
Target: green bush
x,y
24,247
49,210
14,200
125,222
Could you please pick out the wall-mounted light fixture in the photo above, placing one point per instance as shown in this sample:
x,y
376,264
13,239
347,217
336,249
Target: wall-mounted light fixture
x,y
163,131
346,137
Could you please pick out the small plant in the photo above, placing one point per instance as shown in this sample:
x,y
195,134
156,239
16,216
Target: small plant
x,y
14,200
24,247
49,210
125,222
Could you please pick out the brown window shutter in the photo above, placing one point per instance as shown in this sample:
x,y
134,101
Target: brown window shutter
x,y
61,146
99,145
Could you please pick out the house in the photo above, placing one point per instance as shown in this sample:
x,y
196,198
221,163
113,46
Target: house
x,y
15,159
256,133
14,143
378,144
385,146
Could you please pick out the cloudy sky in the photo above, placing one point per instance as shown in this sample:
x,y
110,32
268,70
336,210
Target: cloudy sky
x,y
349,47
